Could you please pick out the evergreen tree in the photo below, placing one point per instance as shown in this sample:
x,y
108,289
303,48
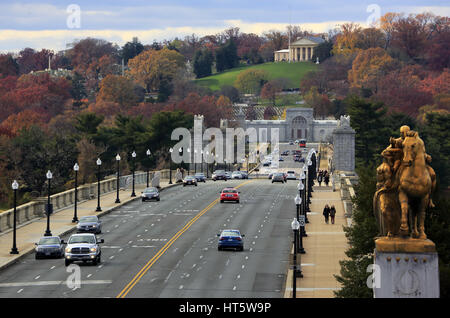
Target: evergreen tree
x,y
203,60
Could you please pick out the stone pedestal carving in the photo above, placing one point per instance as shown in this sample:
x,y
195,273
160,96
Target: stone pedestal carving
x,y
344,146
403,273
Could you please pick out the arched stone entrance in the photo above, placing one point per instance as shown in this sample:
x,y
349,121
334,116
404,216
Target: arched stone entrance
x,y
299,128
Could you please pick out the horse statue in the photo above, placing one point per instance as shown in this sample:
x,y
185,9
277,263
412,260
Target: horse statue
x,y
405,182
414,186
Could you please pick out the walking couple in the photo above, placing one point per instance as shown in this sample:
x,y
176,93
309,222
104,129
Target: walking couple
x,y
329,213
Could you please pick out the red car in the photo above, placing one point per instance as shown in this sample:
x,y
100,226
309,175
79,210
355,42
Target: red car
x,y
229,194
302,143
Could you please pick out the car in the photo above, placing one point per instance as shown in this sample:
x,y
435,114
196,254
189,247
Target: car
x,y
229,194
244,175
151,193
278,177
228,175
291,175
236,175
219,175
89,224
285,153
189,180
49,246
83,247
230,239
281,159
302,143
200,177
291,142
267,164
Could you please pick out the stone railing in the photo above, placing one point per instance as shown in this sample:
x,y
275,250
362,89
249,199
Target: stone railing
x,y
35,209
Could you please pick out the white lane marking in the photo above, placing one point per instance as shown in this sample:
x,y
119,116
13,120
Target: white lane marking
x,y
220,276
181,287
234,288
111,257
88,275
54,282
52,267
144,246
20,290
37,277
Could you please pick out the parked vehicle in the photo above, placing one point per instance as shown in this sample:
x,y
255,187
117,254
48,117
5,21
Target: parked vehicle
x,y
228,175
231,239
236,175
151,193
49,246
291,175
83,247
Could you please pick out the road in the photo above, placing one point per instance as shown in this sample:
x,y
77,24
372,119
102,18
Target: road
x,y
169,248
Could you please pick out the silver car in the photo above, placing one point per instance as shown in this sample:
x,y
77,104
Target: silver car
x,y
83,247
89,224
278,177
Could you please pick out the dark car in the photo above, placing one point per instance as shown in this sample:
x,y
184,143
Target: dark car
x,y
302,143
200,177
230,239
219,175
89,224
151,193
278,177
189,180
244,175
49,246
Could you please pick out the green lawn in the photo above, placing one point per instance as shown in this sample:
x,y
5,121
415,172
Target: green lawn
x,y
292,71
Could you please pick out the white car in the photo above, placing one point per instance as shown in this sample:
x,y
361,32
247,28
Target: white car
x,y
236,175
83,247
291,175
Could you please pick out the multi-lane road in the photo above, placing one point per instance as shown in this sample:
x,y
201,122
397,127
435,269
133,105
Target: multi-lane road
x,y
169,248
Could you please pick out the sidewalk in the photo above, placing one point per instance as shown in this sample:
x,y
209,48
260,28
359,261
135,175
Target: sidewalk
x,y
61,223
325,246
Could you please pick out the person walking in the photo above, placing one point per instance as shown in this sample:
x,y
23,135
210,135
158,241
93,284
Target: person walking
x,y
332,213
326,178
320,178
326,213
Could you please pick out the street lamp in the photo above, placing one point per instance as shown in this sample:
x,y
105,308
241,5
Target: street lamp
x,y
170,166
207,163
180,152
99,163
201,166
118,177
15,186
49,207
133,194
298,202
148,173
189,162
303,179
76,167
309,185
295,226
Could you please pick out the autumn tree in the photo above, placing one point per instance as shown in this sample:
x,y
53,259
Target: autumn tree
x,y
117,89
151,68
348,39
270,90
8,66
369,66
251,81
319,102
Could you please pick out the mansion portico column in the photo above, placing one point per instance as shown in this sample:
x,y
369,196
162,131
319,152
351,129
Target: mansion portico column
x,y
312,52
301,54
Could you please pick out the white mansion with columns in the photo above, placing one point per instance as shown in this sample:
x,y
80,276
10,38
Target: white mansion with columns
x,y
300,50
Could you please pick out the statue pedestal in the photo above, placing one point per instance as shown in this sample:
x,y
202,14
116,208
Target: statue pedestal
x,y
406,268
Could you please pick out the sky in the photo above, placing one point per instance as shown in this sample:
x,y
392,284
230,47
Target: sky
x,y
55,24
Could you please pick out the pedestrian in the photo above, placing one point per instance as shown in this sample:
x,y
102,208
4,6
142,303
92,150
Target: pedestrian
x,y
332,213
326,213
320,178
326,178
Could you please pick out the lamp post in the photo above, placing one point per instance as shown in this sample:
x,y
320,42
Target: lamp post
x,y
99,163
295,226
15,186
207,163
133,155
118,177
148,169
76,167
180,152
170,165
300,188
298,202
309,186
49,206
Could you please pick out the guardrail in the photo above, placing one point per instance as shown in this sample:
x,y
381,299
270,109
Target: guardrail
x,y
36,209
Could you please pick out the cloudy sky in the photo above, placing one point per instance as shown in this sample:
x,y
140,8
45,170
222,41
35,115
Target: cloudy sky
x,y
55,24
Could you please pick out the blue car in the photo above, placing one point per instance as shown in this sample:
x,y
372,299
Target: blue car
x,y
231,239
49,246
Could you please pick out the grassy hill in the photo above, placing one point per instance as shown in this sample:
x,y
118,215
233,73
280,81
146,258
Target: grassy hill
x,y
292,71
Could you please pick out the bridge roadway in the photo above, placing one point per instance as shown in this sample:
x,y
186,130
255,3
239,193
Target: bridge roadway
x,y
169,248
